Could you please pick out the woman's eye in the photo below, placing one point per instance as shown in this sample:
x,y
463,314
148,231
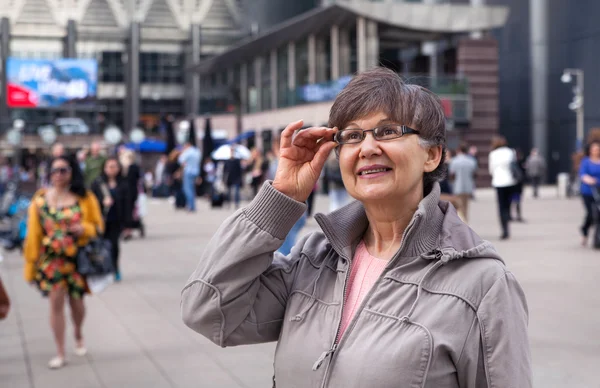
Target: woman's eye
x,y
352,135
389,131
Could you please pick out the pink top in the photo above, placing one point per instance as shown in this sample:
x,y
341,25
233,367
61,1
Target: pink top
x,y
366,269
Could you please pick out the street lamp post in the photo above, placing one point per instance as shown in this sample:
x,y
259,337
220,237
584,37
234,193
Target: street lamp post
x,y
577,103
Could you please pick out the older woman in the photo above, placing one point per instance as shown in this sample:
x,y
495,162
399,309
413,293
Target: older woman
x,y
396,290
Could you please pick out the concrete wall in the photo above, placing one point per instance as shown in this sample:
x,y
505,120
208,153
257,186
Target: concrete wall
x,y
268,13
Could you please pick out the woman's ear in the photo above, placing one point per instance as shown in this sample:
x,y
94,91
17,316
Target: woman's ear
x,y
434,158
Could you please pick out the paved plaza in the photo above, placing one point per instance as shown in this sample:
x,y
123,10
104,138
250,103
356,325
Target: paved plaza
x,y
136,338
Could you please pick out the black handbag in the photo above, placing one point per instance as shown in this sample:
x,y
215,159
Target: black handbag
x,y
95,258
516,171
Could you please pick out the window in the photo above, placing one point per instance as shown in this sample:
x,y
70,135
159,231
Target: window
x,y
283,92
161,68
161,106
112,68
113,111
266,83
302,62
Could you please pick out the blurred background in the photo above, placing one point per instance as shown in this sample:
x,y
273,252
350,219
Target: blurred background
x,y
255,65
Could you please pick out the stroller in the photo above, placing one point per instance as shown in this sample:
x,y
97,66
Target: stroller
x,y
13,213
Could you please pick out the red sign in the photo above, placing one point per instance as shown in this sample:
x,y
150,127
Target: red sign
x,y
19,96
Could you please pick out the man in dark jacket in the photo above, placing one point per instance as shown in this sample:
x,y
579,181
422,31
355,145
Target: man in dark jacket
x,y
233,177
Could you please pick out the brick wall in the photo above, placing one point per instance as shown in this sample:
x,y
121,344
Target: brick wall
x,y
478,61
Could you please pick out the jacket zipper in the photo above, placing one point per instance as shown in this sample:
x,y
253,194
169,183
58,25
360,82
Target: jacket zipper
x,y
334,345
332,350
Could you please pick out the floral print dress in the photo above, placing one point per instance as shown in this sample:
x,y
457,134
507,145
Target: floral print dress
x,y
57,265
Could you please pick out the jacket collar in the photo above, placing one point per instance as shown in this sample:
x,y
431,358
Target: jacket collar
x,y
345,227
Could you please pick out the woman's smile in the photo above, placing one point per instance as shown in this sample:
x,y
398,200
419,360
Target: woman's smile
x,y
374,171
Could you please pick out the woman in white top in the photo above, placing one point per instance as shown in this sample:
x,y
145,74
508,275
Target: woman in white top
x,y
503,180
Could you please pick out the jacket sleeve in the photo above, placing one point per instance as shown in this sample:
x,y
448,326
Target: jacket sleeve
x,y
239,290
92,221
491,163
497,352
97,190
33,241
583,168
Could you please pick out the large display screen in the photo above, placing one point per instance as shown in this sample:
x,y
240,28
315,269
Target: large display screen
x,y
326,91
34,83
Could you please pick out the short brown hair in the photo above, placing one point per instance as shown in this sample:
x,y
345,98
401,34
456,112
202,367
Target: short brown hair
x,y
498,141
382,90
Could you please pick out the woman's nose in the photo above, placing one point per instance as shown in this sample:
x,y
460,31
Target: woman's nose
x,y
369,146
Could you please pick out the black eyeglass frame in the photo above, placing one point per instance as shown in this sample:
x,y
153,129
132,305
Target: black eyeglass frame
x,y
404,130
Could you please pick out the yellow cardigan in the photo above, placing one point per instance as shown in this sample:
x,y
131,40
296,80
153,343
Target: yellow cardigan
x,y
91,221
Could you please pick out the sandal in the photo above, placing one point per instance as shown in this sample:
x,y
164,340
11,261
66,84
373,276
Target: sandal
x,y
57,362
80,350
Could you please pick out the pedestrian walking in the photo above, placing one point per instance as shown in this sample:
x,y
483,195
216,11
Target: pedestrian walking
x,y
93,164
589,175
160,188
462,169
190,161
58,149
338,196
535,166
517,196
233,172
259,166
502,167
446,193
112,193
175,174
210,172
132,176
396,290
61,219
473,153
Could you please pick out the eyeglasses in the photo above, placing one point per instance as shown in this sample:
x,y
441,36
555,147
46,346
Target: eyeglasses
x,y
60,170
382,133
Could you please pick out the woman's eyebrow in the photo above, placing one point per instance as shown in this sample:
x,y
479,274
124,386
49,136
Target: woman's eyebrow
x,y
382,121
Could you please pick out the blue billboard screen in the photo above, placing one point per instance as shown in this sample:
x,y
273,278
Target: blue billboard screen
x,y
33,83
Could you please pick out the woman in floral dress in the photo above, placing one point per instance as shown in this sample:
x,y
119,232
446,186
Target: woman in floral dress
x,y
61,219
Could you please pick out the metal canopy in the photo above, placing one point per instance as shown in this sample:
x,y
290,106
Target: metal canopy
x,y
413,22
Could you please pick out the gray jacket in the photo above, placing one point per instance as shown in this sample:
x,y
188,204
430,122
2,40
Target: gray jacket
x,y
445,313
535,166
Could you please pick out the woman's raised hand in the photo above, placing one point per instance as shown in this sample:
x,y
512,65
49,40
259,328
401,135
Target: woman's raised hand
x,y
301,159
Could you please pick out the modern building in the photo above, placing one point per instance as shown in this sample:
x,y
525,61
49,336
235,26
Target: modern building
x,y
142,48
295,69
541,39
